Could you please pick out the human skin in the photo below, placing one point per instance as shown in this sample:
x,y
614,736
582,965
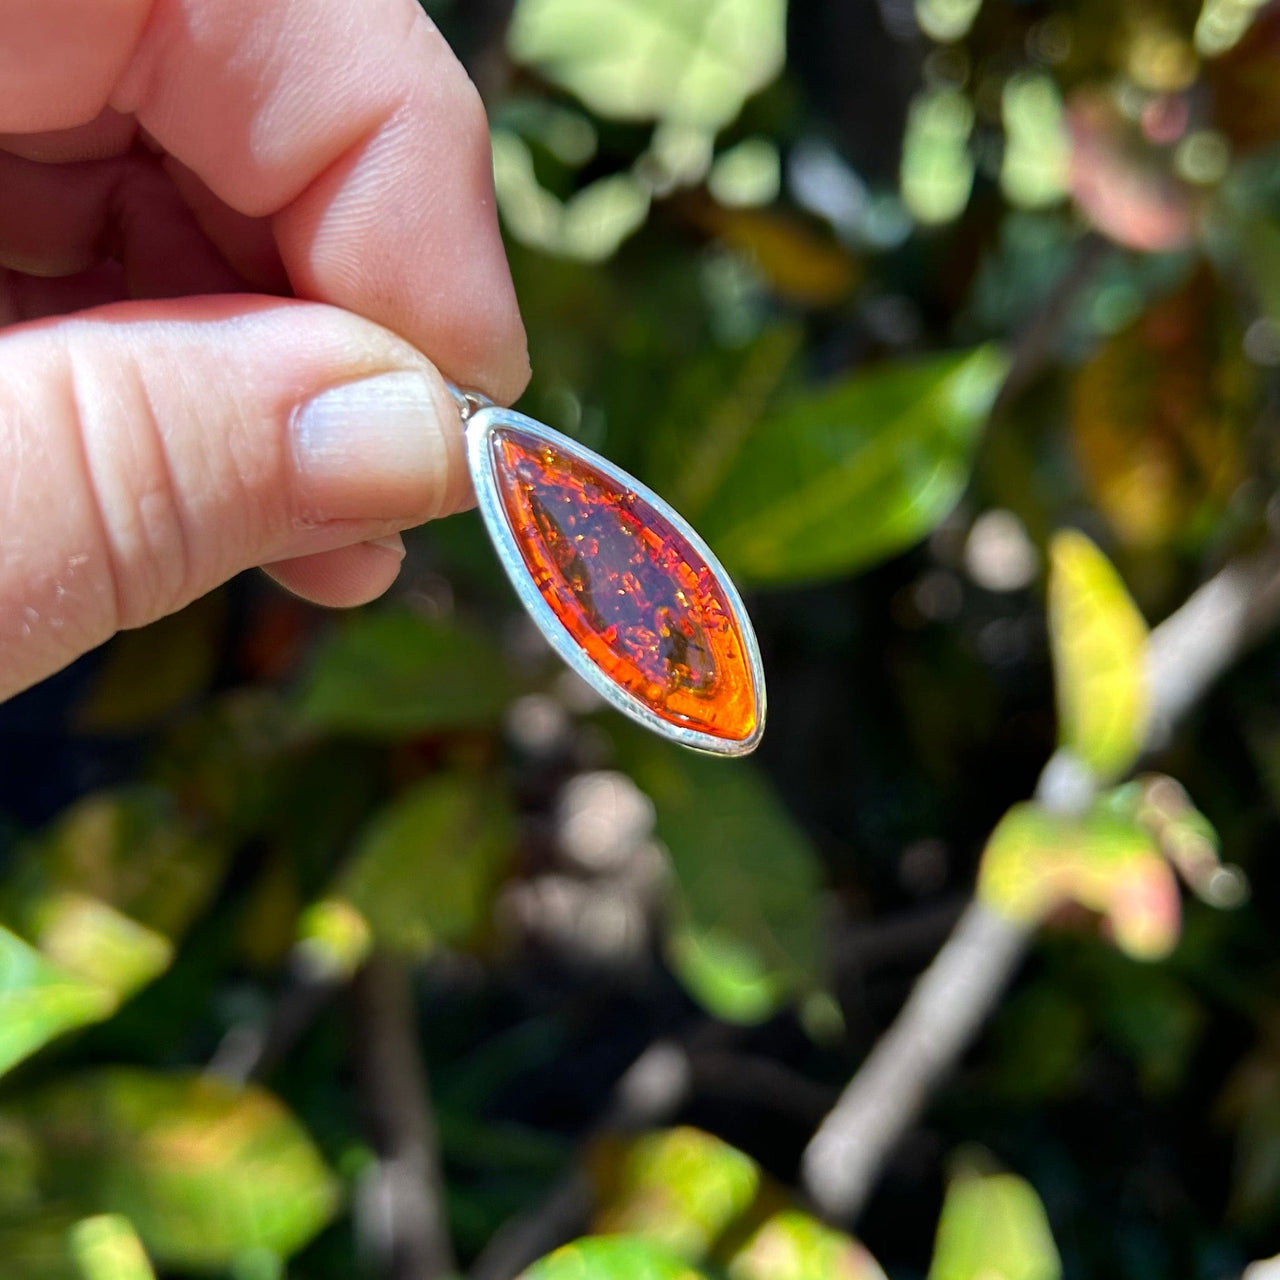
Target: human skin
x,y
241,244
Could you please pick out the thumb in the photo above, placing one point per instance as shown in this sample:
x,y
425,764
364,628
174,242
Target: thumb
x,y
149,451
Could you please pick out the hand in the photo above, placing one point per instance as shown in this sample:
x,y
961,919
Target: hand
x,y
170,171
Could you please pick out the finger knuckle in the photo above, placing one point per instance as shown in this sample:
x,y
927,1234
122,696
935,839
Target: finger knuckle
x,y
144,524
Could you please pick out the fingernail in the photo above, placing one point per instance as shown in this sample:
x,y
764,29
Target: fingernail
x,y
372,449
393,542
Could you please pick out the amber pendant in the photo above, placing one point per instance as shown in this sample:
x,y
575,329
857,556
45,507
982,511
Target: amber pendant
x,y
619,584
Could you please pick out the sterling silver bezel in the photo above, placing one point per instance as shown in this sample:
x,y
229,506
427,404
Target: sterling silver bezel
x,y
481,425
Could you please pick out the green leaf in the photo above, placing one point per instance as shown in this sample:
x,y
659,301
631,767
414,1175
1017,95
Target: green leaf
x,y
97,943
611,1258
35,1245
39,1001
993,1225
129,849
725,975
204,1170
748,883
717,400
334,938
691,61
678,1188
1035,861
425,869
853,473
793,1246
386,675
1099,642
106,1247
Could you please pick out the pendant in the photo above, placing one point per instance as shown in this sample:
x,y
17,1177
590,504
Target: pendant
x,y
618,583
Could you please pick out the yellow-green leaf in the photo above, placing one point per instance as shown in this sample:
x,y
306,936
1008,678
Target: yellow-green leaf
x,y
678,1188
96,942
993,1225
106,1247
334,939
1035,861
612,1258
793,1246
690,61
39,1000
847,475
1099,644
204,1170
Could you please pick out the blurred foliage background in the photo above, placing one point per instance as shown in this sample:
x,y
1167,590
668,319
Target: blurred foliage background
x,y
954,326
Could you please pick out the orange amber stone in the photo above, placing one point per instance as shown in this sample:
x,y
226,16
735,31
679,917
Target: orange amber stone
x,y
637,598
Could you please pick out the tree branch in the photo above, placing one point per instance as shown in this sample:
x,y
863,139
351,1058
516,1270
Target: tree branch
x,y
649,1093
957,992
400,1208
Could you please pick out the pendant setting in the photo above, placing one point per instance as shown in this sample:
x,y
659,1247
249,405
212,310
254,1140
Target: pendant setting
x,y
619,584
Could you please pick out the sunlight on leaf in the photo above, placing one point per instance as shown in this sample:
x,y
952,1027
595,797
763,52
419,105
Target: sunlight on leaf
x,y
747,175
724,975
946,20
425,869
679,1188
1099,642
793,1246
96,942
611,1258
588,227
39,1001
334,939
1037,149
690,60
1035,861
993,1225
1221,24
850,474
106,1247
937,169
384,675
204,1170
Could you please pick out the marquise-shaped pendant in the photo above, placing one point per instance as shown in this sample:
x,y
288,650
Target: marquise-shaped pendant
x,y
622,588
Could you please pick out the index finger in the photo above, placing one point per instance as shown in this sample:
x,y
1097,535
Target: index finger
x,y
352,126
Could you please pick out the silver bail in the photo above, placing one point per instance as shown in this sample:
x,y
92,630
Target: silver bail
x,y
468,402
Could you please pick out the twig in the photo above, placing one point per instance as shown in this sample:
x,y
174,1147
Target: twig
x,y
1036,341
649,1093
910,936
759,1082
250,1052
957,992
400,1208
